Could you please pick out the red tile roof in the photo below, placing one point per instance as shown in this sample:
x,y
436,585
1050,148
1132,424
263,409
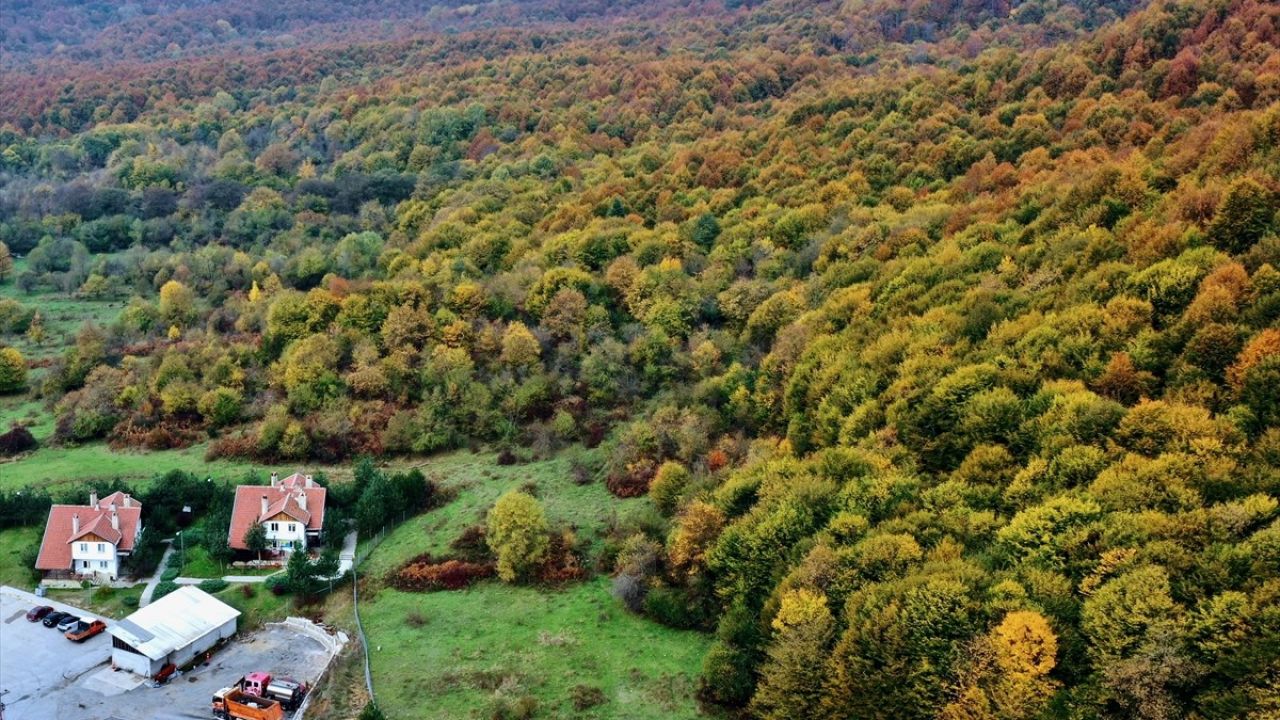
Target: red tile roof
x,y
55,548
281,498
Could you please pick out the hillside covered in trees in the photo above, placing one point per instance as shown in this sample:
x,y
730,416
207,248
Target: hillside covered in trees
x,y
944,337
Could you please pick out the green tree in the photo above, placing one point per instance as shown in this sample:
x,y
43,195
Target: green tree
x,y
177,303
667,485
789,688
1244,216
255,539
518,535
13,371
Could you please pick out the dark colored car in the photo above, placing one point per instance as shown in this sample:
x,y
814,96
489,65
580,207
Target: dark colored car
x,y
83,631
68,622
38,612
54,618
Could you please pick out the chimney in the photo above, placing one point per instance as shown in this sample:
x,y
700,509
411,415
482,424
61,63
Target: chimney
x,y
112,506
128,501
302,499
275,479
264,507
93,499
309,482
75,524
115,519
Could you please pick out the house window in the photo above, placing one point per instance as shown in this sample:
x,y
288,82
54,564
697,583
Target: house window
x,y
102,564
102,548
84,547
275,527
293,528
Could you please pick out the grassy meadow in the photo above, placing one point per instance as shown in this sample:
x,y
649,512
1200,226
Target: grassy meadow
x,y
495,647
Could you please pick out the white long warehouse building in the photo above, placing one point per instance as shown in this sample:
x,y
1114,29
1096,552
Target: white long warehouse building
x,y
174,629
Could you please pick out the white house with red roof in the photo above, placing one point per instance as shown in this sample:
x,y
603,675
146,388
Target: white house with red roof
x,y
90,541
290,510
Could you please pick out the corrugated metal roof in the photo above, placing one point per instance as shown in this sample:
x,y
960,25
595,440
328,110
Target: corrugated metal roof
x,y
173,621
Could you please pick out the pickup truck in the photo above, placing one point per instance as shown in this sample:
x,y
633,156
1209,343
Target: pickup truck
x,y
85,630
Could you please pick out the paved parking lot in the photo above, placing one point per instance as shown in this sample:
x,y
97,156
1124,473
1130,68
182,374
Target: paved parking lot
x,y
98,693
35,659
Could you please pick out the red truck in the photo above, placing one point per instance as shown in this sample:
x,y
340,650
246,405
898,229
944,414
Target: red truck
x,y
285,690
235,704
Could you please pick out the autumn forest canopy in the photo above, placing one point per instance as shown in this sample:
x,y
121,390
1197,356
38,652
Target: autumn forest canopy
x,y
943,337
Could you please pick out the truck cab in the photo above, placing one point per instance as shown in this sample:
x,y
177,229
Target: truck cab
x,y
288,691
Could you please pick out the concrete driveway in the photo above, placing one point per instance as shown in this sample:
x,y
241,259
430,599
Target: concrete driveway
x,y
36,661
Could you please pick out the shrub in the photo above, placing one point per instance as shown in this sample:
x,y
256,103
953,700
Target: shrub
x,y
164,587
667,606
521,708
629,591
586,697
130,602
213,585
471,545
424,574
582,473
247,591
277,584
18,440
169,575
563,563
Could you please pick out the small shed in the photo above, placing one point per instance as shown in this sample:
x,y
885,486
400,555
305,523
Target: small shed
x,y
174,629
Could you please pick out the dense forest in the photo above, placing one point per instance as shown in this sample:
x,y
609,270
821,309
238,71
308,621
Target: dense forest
x,y
944,335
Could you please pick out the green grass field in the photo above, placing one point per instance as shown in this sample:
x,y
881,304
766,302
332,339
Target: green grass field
x,y
461,654
63,314
52,466
457,654
13,541
69,465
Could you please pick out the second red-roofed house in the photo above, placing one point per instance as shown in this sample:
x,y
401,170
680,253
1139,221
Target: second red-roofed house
x,y
290,510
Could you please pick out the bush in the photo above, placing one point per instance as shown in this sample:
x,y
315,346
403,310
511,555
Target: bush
x,y
17,441
521,708
371,712
629,590
213,585
667,606
471,545
169,575
247,591
586,697
130,602
422,574
163,588
277,584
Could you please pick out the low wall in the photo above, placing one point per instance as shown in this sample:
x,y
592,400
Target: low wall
x,y
333,644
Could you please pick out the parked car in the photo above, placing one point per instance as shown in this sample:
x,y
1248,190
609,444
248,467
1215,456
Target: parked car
x,y
68,622
85,630
38,612
54,618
